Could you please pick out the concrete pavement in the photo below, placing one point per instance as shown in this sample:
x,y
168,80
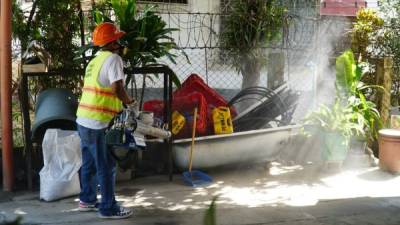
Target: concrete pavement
x,y
283,194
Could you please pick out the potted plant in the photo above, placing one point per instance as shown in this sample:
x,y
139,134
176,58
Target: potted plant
x,y
334,126
352,118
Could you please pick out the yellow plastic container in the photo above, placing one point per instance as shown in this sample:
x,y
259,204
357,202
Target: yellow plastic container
x,y
222,120
178,122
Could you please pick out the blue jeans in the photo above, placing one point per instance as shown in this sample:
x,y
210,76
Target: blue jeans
x,y
98,167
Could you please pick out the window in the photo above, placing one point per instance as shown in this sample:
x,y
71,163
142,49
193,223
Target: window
x,y
167,1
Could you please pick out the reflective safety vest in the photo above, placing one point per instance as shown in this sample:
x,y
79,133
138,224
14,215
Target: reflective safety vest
x,y
97,102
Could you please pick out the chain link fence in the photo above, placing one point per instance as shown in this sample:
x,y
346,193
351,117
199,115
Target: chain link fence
x,y
307,43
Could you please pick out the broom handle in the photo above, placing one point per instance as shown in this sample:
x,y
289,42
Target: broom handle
x,y
193,134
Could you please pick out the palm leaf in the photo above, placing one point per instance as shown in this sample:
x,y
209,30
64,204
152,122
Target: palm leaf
x,y
130,13
119,9
345,72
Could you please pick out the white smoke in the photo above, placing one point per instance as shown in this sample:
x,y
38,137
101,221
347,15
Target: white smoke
x,y
312,71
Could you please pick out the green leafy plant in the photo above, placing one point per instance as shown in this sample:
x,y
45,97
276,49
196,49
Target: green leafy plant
x,y
210,217
54,27
249,27
57,25
390,11
351,89
336,119
368,34
376,34
147,38
19,24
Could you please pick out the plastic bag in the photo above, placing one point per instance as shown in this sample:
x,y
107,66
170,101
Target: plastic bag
x,y
62,160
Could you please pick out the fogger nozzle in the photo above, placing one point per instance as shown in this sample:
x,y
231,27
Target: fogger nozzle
x,y
152,131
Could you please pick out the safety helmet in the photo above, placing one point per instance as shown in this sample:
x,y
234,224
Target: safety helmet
x,y
105,33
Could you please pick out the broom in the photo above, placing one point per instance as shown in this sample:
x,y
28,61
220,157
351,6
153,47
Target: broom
x,y
195,178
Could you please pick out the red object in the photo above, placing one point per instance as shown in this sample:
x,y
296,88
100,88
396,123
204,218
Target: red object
x,y
348,8
194,83
193,93
155,106
185,106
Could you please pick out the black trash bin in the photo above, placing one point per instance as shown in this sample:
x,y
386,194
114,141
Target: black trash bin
x,y
55,108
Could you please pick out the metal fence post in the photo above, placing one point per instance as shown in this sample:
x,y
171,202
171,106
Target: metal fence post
x,y
5,75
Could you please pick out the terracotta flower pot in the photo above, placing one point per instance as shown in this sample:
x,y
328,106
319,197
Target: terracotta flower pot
x,y
389,150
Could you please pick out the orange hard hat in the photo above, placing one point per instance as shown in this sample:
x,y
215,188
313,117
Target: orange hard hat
x,y
105,33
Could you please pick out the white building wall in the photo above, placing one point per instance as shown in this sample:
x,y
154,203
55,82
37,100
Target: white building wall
x,y
194,6
211,6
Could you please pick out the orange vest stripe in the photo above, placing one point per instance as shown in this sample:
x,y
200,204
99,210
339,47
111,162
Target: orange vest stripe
x,y
98,109
98,91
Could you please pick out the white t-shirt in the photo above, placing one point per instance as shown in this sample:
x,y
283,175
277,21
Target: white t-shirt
x,y
111,71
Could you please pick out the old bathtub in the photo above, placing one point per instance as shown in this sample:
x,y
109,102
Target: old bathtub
x,y
228,149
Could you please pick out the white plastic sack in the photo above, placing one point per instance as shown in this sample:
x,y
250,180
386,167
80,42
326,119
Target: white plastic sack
x,y
62,160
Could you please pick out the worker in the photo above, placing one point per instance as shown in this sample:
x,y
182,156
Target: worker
x,y
102,96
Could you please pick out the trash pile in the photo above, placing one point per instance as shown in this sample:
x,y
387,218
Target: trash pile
x,y
216,115
213,116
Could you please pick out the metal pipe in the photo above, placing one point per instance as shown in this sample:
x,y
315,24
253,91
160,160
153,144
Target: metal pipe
x,y
5,90
152,131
